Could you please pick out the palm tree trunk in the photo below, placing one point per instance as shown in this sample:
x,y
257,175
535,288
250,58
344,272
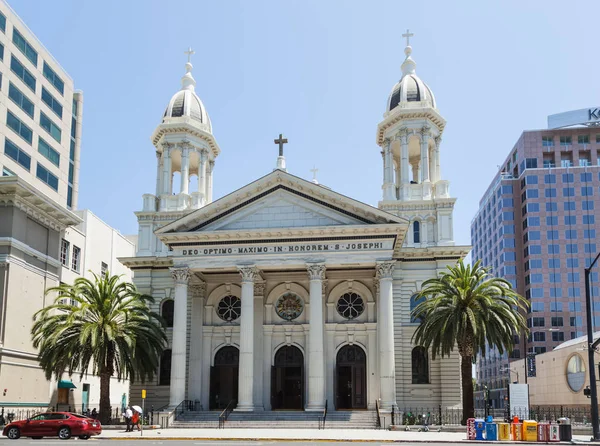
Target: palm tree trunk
x,y
105,397
466,372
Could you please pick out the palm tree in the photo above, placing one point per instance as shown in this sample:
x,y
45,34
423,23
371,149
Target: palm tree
x,y
467,307
103,327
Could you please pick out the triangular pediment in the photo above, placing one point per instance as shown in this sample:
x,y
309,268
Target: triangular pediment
x,y
280,200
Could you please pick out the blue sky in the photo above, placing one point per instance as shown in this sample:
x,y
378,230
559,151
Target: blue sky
x,y
320,72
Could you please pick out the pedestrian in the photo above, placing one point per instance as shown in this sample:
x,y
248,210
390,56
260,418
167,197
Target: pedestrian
x,y
128,415
135,420
94,414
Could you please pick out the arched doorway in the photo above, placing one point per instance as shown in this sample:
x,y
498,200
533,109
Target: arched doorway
x,y
287,379
351,378
224,378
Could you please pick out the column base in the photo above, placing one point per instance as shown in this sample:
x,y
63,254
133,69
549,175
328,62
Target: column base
x,y
315,408
241,408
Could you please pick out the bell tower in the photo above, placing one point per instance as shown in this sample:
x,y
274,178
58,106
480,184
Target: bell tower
x,y
184,145
410,136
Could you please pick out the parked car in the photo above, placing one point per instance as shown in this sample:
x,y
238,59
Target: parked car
x,y
63,425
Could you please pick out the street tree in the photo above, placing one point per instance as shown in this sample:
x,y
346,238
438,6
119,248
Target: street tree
x,y
466,307
103,327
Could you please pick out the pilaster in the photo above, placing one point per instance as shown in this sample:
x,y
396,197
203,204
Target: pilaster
x,y
316,377
181,277
385,329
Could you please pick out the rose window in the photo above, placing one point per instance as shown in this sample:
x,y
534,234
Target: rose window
x,y
289,306
350,306
229,308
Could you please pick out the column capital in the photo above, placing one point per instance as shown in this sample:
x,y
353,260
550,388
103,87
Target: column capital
x,y
248,273
316,271
402,135
211,165
425,133
438,141
387,141
385,269
259,289
184,145
181,275
167,146
203,155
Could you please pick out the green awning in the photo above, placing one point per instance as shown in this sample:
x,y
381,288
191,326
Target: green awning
x,y
66,384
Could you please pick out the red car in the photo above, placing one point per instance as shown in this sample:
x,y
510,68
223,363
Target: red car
x,y
63,425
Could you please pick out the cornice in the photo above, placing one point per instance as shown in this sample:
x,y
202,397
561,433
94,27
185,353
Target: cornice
x,y
184,125
16,192
417,205
275,234
433,252
399,114
148,262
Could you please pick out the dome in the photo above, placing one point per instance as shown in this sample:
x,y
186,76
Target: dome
x,y
410,88
186,103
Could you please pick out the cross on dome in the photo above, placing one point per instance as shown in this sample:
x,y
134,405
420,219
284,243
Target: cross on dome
x,y
408,35
314,171
281,141
189,53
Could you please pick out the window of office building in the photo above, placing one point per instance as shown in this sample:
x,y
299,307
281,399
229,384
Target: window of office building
x,y
550,179
47,124
574,292
570,220
52,102
571,248
550,192
22,72
572,263
25,47
551,207
54,79
568,191
12,151
44,174
587,205
585,177
589,233
558,336
589,219
20,99
45,149
553,263
583,139
551,221
565,141
537,307
2,23
556,321
64,252
547,141
19,127
76,260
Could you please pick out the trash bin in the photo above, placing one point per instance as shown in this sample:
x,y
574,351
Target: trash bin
x,y
517,431
530,430
565,431
470,428
543,431
504,431
553,432
491,431
479,428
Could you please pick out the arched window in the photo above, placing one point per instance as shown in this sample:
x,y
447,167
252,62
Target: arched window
x,y
416,232
164,377
414,301
166,311
420,366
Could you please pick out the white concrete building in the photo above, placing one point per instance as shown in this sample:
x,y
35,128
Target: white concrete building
x,y
285,294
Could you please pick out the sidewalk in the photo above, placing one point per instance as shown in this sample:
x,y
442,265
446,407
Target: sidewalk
x,y
303,434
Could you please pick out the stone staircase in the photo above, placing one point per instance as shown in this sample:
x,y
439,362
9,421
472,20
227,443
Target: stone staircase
x,y
351,419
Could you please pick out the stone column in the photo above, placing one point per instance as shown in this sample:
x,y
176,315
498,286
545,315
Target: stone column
x,y
404,172
181,276
438,173
415,171
246,367
385,332
196,291
166,180
209,183
388,178
185,169
159,167
202,175
425,155
316,357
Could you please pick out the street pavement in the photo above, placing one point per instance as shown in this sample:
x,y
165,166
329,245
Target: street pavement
x,y
154,442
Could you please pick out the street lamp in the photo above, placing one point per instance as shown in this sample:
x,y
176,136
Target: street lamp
x,y
591,351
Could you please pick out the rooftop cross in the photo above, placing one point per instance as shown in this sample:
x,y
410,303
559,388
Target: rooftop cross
x,y
314,171
408,35
281,141
189,53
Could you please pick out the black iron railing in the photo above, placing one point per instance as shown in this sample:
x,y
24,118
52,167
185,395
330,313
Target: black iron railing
x,y
323,417
378,419
184,406
225,414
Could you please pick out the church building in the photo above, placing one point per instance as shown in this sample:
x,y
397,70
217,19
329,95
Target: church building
x,y
285,294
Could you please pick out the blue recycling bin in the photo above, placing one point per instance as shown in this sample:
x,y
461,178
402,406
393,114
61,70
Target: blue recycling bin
x,y
479,428
491,431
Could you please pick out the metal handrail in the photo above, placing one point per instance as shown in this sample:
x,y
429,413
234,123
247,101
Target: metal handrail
x,y
378,422
323,417
225,414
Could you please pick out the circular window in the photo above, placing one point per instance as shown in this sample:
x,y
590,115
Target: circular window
x,y
576,373
229,308
289,306
350,305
